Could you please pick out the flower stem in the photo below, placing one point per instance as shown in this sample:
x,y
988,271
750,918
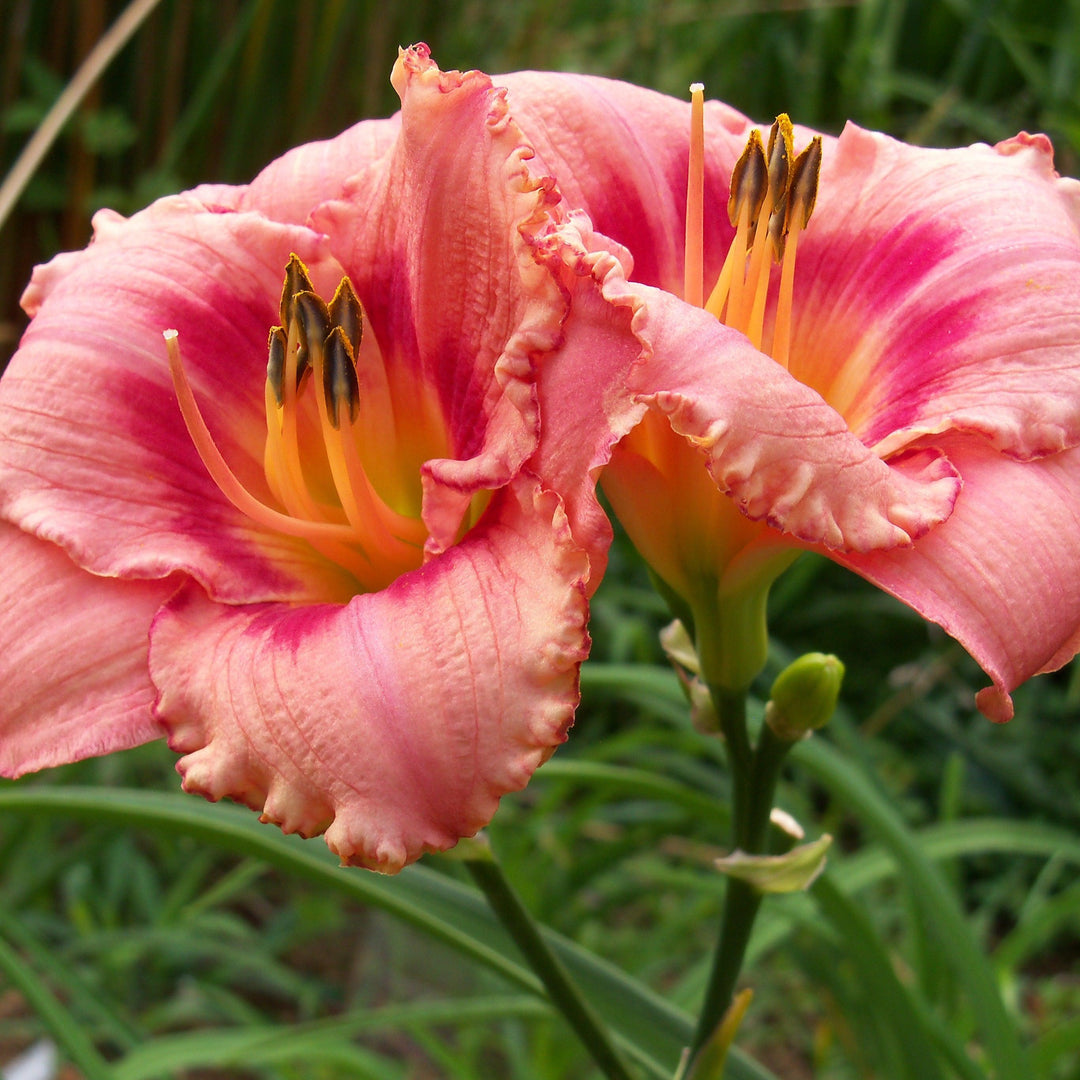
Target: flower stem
x,y
564,994
754,774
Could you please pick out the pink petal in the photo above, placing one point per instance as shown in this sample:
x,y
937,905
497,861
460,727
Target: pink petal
x,y
939,290
1002,575
75,658
619,153
772,444
94,454
397,721
583,399
288,188
424,256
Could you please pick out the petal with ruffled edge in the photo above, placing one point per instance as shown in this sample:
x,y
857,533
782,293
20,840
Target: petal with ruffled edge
x,y
936,289
397,721
620,154
94,454
424,256
771,443
75,658
939,290
1002,575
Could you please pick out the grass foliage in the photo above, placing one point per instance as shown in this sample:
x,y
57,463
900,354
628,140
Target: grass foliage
x,y
166,938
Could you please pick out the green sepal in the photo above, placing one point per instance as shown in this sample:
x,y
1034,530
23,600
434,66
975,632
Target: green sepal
x,y
794,871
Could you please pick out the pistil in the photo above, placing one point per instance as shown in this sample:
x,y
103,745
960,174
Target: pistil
x,y
693,265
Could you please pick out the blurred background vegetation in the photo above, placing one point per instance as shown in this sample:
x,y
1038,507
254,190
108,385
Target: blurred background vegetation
x,y
145,933
211,90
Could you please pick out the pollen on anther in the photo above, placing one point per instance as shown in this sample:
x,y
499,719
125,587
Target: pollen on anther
x,y
275,364
339,377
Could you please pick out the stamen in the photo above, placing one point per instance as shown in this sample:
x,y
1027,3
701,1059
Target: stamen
x,y
751,318
224,477
296,280
346,311
357,529
295,492
693,272
749,186
340,389
749,180
802,194
275,364
376,528
804,182
781,144
313,317
772,195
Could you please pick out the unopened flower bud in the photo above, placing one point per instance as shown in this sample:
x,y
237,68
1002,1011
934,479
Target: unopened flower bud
x,y
804,696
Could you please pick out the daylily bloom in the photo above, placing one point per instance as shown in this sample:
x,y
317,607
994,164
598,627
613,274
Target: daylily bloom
x,y
903,397
318,565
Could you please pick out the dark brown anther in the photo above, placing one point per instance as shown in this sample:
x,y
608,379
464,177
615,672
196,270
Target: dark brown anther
x,y
296,280
275,365
779,154
339,377
346,312
313,318
802,190
749,181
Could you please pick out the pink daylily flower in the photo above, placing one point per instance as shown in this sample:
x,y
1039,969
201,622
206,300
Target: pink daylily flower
x,y
922,424
386,668
359,613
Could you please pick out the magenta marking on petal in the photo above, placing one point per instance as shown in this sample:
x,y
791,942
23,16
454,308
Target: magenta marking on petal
x,y
882,296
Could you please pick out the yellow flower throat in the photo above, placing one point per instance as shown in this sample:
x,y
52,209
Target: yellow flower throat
x,y
347,478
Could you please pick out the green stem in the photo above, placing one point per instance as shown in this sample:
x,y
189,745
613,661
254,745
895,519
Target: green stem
x,y
754,774
564,994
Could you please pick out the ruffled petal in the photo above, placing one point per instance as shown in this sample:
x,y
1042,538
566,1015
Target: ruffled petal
x,y
620,154
773,445
74,648
939,290
94,454
424,255
1002,575
395,722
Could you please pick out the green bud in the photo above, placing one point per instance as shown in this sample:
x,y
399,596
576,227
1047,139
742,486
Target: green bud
x,y
804,696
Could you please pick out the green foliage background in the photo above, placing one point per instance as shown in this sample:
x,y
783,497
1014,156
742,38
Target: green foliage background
x,y
148,931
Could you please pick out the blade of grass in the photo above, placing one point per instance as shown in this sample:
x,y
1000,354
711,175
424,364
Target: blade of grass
x,y
264,1045
98,59
940,905
64,1028
909,1019
111,1025
650,1028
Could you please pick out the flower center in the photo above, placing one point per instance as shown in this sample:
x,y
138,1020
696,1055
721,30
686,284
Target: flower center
x,y
345,476
772,198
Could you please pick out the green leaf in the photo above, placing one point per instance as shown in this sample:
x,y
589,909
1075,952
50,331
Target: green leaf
x,y
939,904
652,1029
63,1027
255,1045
